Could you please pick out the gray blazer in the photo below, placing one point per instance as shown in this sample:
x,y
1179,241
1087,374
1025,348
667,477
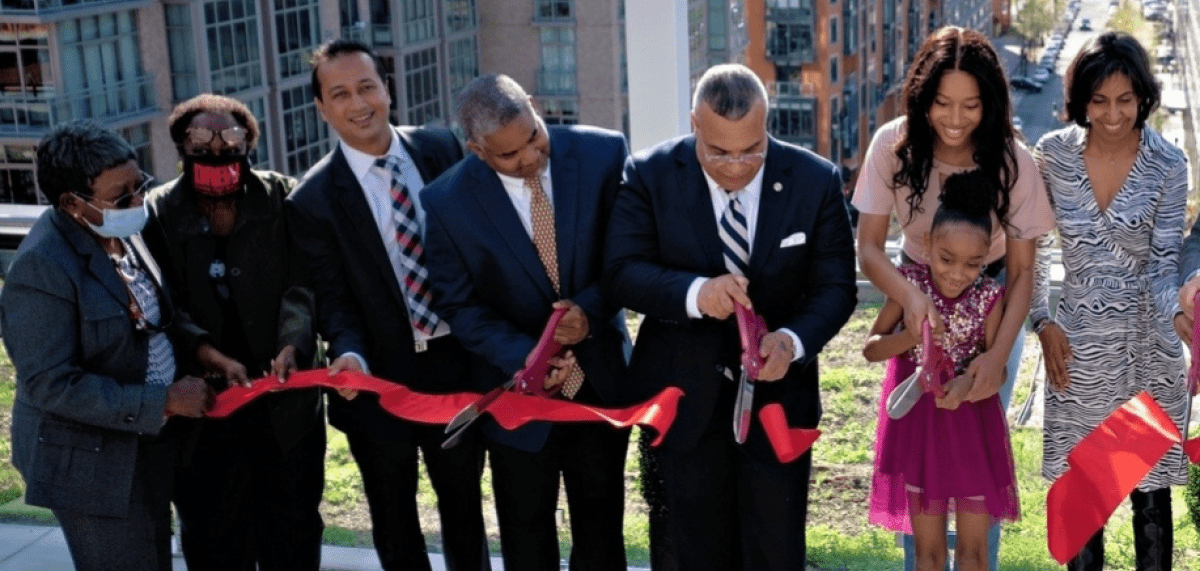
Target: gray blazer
x,y
81,400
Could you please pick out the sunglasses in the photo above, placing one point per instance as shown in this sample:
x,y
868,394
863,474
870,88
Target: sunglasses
x,y
126,200
232,136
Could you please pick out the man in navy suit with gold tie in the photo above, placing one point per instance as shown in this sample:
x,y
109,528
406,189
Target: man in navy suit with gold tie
x,y
724,216
512,232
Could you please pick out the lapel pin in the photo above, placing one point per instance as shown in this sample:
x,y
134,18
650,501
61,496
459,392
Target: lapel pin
x,y
777,186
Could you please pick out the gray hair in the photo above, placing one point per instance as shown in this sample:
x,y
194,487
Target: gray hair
x,y
73,154
489,103
730,90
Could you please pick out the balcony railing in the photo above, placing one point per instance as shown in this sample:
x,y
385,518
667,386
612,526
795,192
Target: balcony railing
x,y
790,15
58,7
31,115
790,89
556,82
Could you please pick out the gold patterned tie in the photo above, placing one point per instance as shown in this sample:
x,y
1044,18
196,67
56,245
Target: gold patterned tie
x,y
542,221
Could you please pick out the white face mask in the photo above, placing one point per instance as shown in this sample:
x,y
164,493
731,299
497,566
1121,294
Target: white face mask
x,y
121,223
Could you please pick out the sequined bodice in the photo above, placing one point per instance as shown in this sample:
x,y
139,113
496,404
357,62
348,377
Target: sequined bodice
x,y
964,317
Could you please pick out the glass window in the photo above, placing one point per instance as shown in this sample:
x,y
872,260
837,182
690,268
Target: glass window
x,y
305,135
850,23
260,155
557,74
181,51
552,10
463,64
833,70
460,15
231,27
139,137
718,25
790,41
421,87
102,68
560,111
419,21
833,30
297,24
381,22
17,175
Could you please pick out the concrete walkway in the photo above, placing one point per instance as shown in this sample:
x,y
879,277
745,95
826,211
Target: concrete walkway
x,y
42,548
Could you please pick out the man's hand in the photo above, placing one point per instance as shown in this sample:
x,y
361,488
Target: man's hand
x,y
284,364
987,375
560,369
1056,353
573,327
217,363
345,363
717,295
190,397
777,353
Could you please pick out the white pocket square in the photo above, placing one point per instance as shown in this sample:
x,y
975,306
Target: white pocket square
x,y
796,239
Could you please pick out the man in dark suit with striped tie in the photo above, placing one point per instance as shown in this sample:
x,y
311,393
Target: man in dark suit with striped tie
x,y
515,231
724,216
356,217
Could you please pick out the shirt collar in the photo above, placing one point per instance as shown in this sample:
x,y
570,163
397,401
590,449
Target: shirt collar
x,y
361,163
515,182
753,189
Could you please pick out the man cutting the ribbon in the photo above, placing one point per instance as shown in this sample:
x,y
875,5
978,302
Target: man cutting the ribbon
x,y
727,216
514,232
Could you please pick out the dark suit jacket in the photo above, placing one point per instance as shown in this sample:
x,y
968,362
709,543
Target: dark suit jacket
x,y
360,306
264,279
81,398
663,235
489,283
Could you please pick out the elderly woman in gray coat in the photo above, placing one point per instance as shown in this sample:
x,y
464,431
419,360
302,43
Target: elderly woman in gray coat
x,y
94,339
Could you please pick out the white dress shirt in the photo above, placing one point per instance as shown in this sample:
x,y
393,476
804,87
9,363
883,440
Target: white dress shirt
x,y
522,199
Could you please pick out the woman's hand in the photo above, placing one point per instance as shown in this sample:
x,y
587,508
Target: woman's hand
x,y
1056,353
917,308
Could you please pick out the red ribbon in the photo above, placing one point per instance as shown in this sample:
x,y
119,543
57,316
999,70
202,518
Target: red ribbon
x,y
511,410
788,443
1194,370
1103,469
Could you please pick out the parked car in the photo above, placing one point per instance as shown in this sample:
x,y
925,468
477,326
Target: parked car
x,y
1085,25
1041,75
1026,84
1018,124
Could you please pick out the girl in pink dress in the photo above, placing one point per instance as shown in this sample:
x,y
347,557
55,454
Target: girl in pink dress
x,y
945,455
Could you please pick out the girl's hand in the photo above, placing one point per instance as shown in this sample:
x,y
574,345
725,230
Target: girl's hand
x,y
1056,352
956,392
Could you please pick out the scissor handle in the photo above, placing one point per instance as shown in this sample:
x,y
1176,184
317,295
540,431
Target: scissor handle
x,y
531,379
752,329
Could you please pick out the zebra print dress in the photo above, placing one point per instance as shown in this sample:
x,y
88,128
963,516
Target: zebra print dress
x,y
1119,293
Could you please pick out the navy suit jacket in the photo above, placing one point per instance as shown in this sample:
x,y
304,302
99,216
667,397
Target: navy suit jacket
x,y
360,306
663,235
489,283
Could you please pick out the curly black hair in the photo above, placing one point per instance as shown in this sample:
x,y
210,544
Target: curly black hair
x,y
949,49
181,117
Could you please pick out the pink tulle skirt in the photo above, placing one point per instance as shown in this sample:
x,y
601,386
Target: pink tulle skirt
x,y
935,461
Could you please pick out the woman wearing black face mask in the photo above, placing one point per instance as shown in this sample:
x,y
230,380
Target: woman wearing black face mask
x,y
249,486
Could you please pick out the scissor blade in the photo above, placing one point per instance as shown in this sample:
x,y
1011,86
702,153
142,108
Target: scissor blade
x,y
743,408
473,410
452,441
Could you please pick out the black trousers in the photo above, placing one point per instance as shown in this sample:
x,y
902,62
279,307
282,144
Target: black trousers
x,y
390,474
140,541
243,501
731,511
591,460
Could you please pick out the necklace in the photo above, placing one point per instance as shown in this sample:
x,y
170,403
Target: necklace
x,y
1111,157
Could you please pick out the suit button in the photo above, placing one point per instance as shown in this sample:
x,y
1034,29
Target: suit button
x,y
720,369
235,272
129,418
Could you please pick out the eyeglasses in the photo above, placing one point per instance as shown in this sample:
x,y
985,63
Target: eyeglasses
x,y
748,158
232,136
145,182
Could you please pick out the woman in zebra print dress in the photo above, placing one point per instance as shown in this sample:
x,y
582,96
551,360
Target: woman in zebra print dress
x,y
1118,191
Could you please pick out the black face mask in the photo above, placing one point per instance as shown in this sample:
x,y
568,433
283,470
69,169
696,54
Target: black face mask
x,y
216,176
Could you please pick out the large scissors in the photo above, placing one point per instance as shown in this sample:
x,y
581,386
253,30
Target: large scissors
x,y
528,380
752,329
